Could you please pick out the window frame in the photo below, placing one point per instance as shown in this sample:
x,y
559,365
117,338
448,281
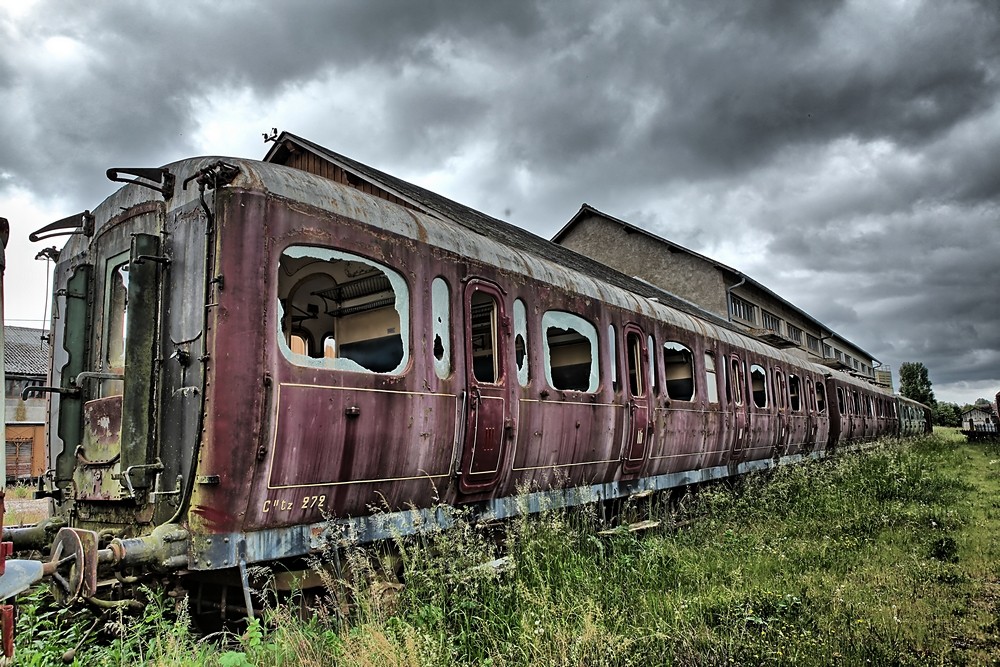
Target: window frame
x,y
555,319
402,302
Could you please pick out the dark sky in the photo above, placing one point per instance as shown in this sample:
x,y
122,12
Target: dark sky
x,y
845,154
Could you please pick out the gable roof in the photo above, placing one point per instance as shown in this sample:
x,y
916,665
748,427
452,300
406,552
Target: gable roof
x,y
510,235
24,352
586,210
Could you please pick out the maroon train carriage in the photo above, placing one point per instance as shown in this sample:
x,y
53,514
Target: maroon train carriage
x,y
247,358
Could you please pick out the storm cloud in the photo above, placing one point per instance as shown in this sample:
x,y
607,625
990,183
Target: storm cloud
x,y
841,153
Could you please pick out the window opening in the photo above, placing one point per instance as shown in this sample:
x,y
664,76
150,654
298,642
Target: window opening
x,y
116,322
780,397
520,341
633,349
742,309
794,393
570,352
735,383
678,369
441,325
758,384
770,321
654,386
841,401
358,308
795,333
613,350
484,331
820,398
711,382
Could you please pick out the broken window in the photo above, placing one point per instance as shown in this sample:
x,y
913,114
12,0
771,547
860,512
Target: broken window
x,y
570,352
678,369
633,352
794,393
520,342
758,384
342,311
820,398
441,325
711,381
115,322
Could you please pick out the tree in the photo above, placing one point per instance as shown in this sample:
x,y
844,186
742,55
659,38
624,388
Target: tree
x,y
984,404
947,414
914,383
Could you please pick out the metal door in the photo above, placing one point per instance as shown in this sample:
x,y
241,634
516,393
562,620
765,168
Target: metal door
x,y
487,403
637,425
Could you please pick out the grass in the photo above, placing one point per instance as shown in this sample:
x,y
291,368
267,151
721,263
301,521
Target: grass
x,y
19,513
884,558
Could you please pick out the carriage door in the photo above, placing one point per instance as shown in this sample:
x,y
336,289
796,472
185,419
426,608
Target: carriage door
x,y
738,407
637,426
487,405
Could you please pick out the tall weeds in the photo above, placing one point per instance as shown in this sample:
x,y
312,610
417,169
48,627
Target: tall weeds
x,y
865,559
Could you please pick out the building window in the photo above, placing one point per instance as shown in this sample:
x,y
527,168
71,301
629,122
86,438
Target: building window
x,y
633,358
341,311
827,351
812,343
678,369
770,322
743,310
795,333
570,352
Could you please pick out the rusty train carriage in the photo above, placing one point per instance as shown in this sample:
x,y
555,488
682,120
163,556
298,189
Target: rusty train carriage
x,y
248,360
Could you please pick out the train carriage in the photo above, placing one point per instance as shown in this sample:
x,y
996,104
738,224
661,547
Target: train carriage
x,y
248,358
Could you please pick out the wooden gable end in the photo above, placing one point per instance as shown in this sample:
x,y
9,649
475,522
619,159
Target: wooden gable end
x,y
314,164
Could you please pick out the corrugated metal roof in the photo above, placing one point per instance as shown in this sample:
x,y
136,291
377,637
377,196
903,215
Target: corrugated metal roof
x,y
24,352
492,228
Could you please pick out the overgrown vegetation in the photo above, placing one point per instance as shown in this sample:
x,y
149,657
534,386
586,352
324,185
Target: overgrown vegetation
x,y
887,557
